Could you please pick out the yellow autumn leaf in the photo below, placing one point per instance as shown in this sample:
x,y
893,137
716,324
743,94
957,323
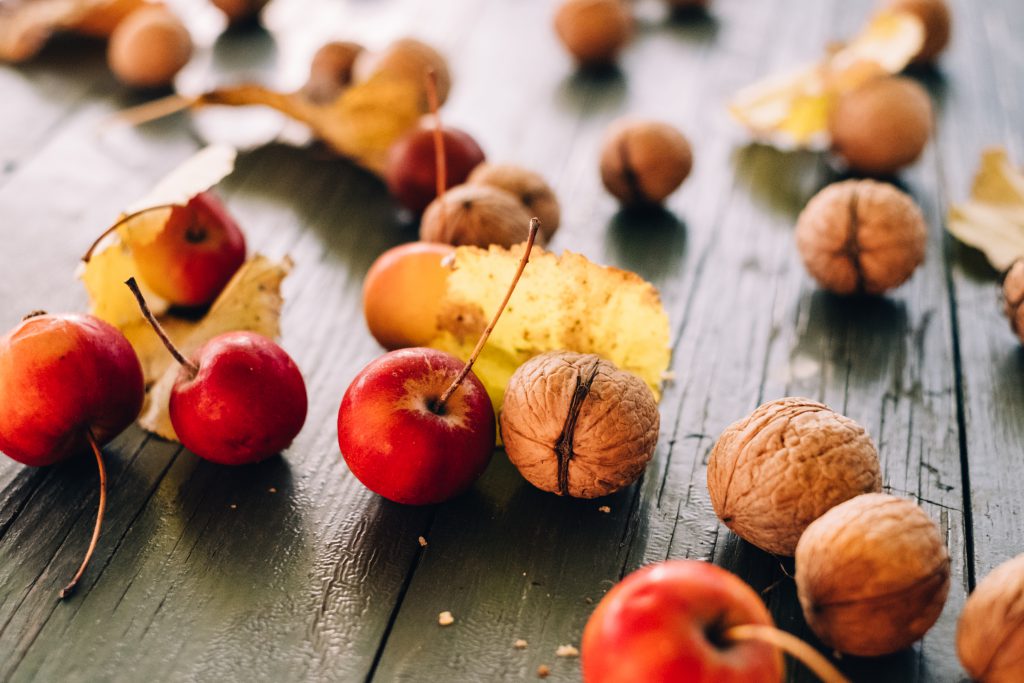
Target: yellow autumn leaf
x,y
251,302
992,220
561,302
791,110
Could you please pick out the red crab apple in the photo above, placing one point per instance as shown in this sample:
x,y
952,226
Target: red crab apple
x,y
67,382
193,257
416,425
239,399
687,621
411,169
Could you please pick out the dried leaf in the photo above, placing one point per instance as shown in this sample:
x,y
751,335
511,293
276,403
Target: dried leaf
x,y
791,110
26,25
251,301
992,220
199,173
362,123
561,302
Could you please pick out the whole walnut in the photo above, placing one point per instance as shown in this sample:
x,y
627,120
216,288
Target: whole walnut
x,y
861,237
935,16
240,11
594,31
330,71
475,215
531,189
410,59
872,575
783,466
882,126
149,47
574,424
990,634
643,162
1013,296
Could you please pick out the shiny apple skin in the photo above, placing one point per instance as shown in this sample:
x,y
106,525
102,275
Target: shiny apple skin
x,y
247,403
654,625
402,293
411,172
60,376
195,255
401,449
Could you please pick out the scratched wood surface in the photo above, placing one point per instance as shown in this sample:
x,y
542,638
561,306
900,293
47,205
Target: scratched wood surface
x,y
291,570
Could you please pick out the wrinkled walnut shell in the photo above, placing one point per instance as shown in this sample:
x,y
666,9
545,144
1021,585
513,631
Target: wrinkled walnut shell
x,y
935,16
882,126
643,162
475,215
872,575
861,237
574,424
990,634
786,464
1013,297
531,189
594,31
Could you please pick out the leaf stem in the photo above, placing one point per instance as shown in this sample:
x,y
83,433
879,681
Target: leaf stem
x,y
121,221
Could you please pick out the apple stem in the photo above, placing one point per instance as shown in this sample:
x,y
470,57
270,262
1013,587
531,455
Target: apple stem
x,y
121,221
534,227
791,645
158,328
70,588
440,161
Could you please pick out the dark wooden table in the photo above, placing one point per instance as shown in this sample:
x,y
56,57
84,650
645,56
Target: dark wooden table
x,y
291,570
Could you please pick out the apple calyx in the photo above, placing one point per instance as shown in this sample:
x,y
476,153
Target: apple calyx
x,y
192,368
121,221
438,406
787,642
101,509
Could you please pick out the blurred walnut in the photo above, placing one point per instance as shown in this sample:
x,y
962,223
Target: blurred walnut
x,y
594,31
330,71
861,236
1013,297
149,47
410,59
872,575
531,189
643,162
882,126
990,635
574,424
475,215
240,11
791,460
934,14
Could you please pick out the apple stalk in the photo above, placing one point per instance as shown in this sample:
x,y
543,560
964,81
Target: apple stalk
x,y
791,645
158,328
101,509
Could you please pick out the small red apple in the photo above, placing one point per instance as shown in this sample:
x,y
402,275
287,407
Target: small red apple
x,y
412,174
194,256
666,623
238,400
400,442
67,382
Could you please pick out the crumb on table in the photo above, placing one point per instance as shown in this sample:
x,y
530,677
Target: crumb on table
x,y
543,671
605,509
423,542
567,651
445,618
520,644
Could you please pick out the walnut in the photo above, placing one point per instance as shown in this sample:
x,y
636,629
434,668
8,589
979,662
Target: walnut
x,y
1013,296
475,215
934,14
861,237
531,189
407,58
990,635
594,31
783,466
882,126
872,575
574,424
643,162
330,71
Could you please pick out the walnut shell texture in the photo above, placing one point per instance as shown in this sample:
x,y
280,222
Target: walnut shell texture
x,y
531,189
935,16
990,634
882,126
643,162
594,31
1013,297
476,215
861,237
872,575
786,464
574,424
